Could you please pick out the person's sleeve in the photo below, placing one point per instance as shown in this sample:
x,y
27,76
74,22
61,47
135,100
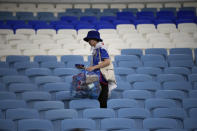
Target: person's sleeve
x,y
104,54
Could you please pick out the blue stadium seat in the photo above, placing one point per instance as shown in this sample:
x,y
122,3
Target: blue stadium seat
x,y
123,72
11,104
193,112
137,94
125,15
153,71
8,18
30,96
4,64
95,11
15,79
186,14
192,78
48,105
2,87
32,72
119,58
71,124
145,15
52,65
170,94
69,19
171,130
35,124
22,66
132,10
63,72
37,27
97,114
105,25
67,26
187,51
6,124
5,95
69,58
159,64
134,113
160,123
15,22
137,52
39,80
22,87
190,123
5,26
57,22
169,77
21,113
177,85
138,78
57,86
152,57
174,113
147,85
83,104
13,59
24,14
71,64
36,22
142,21
121,103
189,103
117,22
90,19
59,114
111,10
46,16
169,9
156,51
166,14
85,25
117,123
43,58
130,64
193,94
153,103
7,71
194,70
6,13
177,70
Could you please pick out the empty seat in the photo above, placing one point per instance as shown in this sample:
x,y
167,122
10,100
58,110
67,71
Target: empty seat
x,y
22,113
7,95
52,65
122,103
37,72
177,85
15,79
171,94
48,105
189,103
190,123
181,51
12,59
6,124
160,123
4,64
159,51
7,71
47,79
177,70
169,77
174,113
22,66
57,86
35,124
193,112
192,93
137,94
147,85
159,103
137,52
153,71
63,72
70,124
41,59
138,77
11,104
117,123
22,87
30,96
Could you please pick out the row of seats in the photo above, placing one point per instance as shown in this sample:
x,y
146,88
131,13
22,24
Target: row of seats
x,y
32,6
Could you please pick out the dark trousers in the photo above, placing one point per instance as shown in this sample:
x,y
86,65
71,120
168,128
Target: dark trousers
x,y
103,95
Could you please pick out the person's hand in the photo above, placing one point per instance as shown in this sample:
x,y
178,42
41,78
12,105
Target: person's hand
x,y
91,68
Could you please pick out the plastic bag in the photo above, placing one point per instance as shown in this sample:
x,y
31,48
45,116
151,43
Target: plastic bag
x,y
86,85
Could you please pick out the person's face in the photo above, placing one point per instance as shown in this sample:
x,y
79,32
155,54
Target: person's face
x,y
92,42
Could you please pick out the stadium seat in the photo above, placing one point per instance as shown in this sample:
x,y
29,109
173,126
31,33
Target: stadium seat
x,y
177,70
153,71
189,103
192,93
13,59
5,95
159,51
35,124
30,96
121,103
11,104
4,64
169,77
22,87
117,123
41,59
83,124
15,79
22,66
189,123
6,124
177,85
147,85
32,72
138,78
52,65
39,80
153,103
160,123
21,113
171,94
137,94
181,51
193,112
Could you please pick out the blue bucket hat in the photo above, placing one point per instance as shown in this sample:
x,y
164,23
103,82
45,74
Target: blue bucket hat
x,y
93,35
